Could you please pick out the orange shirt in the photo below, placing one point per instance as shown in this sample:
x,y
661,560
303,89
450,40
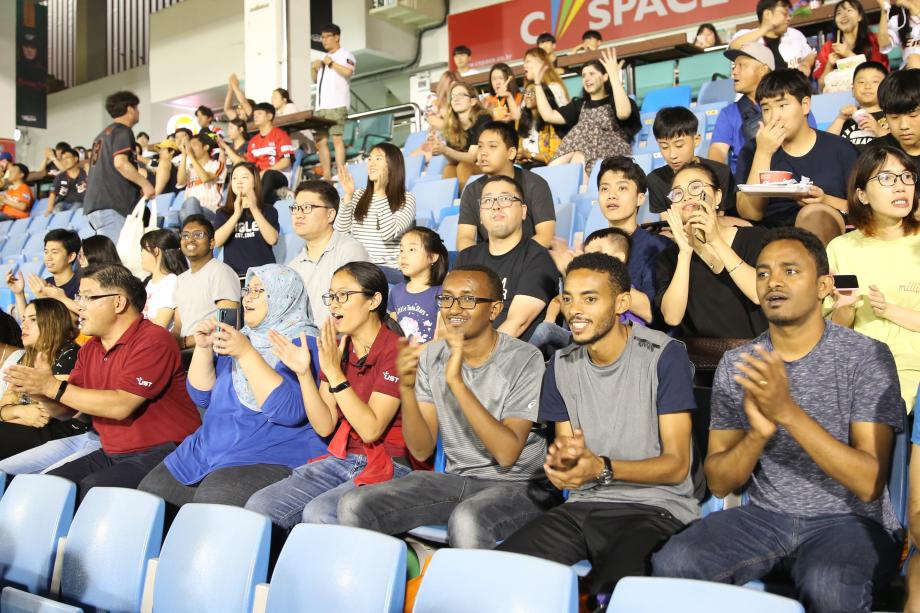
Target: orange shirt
x,y
23,194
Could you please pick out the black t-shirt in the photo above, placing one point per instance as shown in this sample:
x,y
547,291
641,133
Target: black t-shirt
x,y
537,197
69,189
773,45
106,187
659,186
890,141
857,137
246,248
70,288
472,135
716,308
66,359
631,125
827,164
526,270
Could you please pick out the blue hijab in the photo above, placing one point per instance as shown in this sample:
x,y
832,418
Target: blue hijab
x,y
287,315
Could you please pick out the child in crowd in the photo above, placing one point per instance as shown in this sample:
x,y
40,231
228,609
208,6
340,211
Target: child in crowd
x,y
504,99
16,201
862,124
899,97
423,260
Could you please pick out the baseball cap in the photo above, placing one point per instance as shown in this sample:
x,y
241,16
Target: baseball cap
x,y
168,144
753,50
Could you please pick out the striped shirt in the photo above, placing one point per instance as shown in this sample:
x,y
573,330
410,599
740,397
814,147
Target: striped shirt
x,y
380,230
507,385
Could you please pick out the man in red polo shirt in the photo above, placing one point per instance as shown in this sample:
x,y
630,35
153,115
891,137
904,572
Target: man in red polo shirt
x,y
270,149
129,378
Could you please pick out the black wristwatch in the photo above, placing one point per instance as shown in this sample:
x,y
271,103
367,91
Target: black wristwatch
x,y
61,389
606,476
344,385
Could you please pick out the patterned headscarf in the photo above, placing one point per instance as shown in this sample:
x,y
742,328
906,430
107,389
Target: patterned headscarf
x,y
287,315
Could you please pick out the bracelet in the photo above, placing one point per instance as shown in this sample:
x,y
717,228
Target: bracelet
x,y
735,267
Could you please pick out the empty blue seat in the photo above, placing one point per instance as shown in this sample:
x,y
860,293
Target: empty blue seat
x,y
462,580
595,220
35,246
414,141
39,224
447,230
432,196
720,90
14,244
20,226
177,201
60,220
319,570
212,559
39,207
413,166
564,181
655,594
697,70
35,512
434,168
5,227
293,245
113,535
284,215
164,201
654,100
826,107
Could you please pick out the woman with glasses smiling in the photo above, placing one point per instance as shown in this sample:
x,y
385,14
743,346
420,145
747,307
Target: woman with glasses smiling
x,y
255,429
356,402
706,277
884,254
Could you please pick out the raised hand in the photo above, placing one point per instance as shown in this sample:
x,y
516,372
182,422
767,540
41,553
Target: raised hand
x,y
611,64
347,181
227,340
37,285
453,372
770,137
763,377
407,361
204,333
16,283
294,357
676,224
330,351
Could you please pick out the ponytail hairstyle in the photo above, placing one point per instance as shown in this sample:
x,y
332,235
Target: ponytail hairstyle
x,y
167,242
373,281
396,182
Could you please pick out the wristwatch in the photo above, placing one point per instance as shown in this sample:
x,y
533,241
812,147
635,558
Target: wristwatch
x,y
606,475
344,385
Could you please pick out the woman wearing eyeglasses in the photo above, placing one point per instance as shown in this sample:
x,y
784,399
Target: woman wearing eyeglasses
x,y
884,254
706,277
356,402
255,429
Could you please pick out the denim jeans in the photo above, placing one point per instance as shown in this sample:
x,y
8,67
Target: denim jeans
x,y
311,494
837,562
52,454
478,512
548,337
99,469
107,222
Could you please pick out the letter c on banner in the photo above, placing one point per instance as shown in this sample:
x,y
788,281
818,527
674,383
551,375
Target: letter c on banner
x,y
526,35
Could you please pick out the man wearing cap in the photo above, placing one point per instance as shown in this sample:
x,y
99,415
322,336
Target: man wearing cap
x,y
788,46
738,122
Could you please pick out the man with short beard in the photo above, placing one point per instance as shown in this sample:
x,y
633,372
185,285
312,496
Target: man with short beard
x,y
620,398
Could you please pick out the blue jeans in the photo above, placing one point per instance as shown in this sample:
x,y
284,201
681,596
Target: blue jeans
x,y
107,222
548,337
837,562
311,494
52,454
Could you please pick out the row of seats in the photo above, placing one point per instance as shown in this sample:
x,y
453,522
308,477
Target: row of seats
x,y
111,555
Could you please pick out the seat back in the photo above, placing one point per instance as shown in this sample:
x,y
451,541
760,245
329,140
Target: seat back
x,y
435,166
433,196
672,96
898,475
35,512
39,224
413,164
655,594
825,107
462,580
60,220
564,181
113,535
337,568
651,77
212,559
720,90
414,141
697,70
284,215
447,230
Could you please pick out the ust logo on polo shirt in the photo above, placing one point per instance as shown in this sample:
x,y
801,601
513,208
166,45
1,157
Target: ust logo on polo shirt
x,y
143,383
389,377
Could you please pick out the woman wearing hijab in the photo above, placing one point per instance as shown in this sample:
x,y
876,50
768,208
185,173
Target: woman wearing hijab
x,y
255,429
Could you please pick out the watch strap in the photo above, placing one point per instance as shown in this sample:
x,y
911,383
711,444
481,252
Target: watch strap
x,y
344,385
60,393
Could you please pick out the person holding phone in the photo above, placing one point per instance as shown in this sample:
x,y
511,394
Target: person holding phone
x,y
706,278
255,429
884,254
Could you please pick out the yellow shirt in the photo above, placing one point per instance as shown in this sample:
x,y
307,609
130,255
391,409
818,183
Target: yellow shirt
x,y
894,267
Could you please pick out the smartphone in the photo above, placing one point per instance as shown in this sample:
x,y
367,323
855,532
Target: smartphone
x,y
846,282
229,317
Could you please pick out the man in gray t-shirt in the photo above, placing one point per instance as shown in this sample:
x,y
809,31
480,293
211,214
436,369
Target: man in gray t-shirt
x,y
621,399
804,419
479,390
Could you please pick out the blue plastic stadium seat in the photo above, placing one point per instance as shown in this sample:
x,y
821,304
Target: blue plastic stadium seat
x,y
413,166
113,535
5,227
13,245
17,601
564,181
38,208
39,224
654,100
60,220
433,196
462,580
177,202
212,559
447,230
20,226
655,594
720,90
35,512
414,141
318,570
164,201
35,246
284,215
595,221
358,172
434,168
436,533
826,107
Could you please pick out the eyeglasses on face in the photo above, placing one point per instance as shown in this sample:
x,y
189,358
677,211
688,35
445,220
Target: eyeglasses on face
x,y
255,292
342,295
888,179
694,188
84,299
306,209
459,96
196,235
503,201
466,301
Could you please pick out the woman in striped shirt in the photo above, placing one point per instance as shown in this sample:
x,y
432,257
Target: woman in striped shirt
x,y
378,215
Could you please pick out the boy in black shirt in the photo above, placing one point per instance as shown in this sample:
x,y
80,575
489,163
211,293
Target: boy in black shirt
x,y
864,123
785,142
899,97
69,184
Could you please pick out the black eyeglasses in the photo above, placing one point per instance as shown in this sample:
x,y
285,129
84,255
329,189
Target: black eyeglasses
x,y
694,188
83,299
306,209
342,295
888,179
466,301
503,201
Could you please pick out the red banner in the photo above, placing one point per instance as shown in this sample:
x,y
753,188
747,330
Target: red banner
x,y
503,32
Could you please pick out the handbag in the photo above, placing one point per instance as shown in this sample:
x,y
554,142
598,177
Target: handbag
x,y
129,240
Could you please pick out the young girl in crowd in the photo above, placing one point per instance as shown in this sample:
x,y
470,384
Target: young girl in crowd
x,y
883,252
538,139
47,330
423,260
461,133
98,249
357,402
504,99
706,36
851,37
281,100
245,227
202,176
236,140
162,257
377,215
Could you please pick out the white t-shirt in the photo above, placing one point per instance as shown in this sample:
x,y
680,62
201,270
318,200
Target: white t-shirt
x,y
909,47
332,89
196,294
13,358
287,109
793,46
160,296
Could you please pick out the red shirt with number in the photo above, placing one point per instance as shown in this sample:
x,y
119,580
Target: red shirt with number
x,y
145,362
265,151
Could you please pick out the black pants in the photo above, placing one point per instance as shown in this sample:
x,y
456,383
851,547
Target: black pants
x,y
618,539
116,470
15,438
272,181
